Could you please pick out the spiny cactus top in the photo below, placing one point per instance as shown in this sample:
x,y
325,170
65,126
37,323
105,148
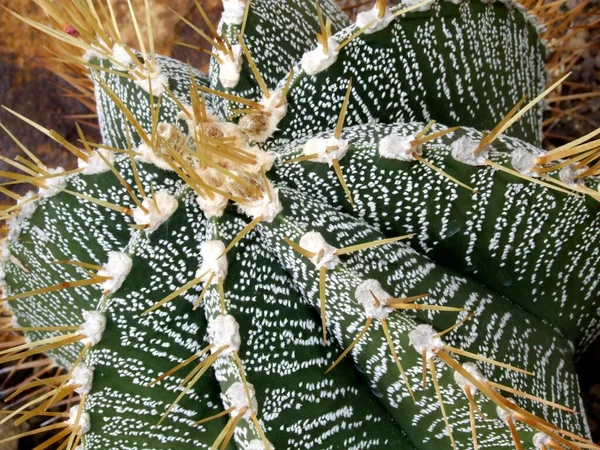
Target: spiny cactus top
x,y
289,253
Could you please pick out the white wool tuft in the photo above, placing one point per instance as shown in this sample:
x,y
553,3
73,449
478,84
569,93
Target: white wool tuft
x,y
28,208
237,397
167,205
265,207
316,61
463,150
409,3
95,164
326,149
2,277
542,440
83,376
257,444
120,55
117,268
233,12
55,184
92,327
84,419
146,154
398,147
212,207
365,17
567,175
224,331
423,337
364,296
523,161
212,261
275,109
463,382
231,67
155,80
502,414
315,242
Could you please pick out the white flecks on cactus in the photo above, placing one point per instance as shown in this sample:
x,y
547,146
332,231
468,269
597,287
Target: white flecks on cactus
x,y
523,162
92,327
27,206
398,147
569,175
116,270
233,12
54,184
230,66
424,338
212,207
159,209
214,261
151,80
463,150
472,370
325,256
224,331
95,164
373,298
237,396
84,419
82,376
371,16
542,441
504,414
121,56
267,206
316,61
326,149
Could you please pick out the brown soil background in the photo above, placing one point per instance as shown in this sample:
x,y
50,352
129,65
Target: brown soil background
x,y
29,88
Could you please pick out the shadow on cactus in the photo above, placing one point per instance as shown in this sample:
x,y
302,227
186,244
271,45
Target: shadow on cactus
x,y
293,253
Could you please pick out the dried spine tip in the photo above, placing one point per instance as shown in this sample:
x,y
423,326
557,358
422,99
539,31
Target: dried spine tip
x,y
364,18
474,371
92,327
325,254
84,419
463,150
159,208
316,61
267,206
214,262
55,184
116,270
95,164
398,147
83,376
224,331
424,338
237,397
326,149
233,12
230,66
373,298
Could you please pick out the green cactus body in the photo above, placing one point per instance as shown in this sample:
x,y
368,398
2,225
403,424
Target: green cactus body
x,y
214,243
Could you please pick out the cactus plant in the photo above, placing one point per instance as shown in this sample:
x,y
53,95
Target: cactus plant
x,y
289,253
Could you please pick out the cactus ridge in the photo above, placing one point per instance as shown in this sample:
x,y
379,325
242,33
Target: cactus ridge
x,y
290,253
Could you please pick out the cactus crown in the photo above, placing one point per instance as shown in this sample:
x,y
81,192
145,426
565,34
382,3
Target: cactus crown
x,y
292,252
